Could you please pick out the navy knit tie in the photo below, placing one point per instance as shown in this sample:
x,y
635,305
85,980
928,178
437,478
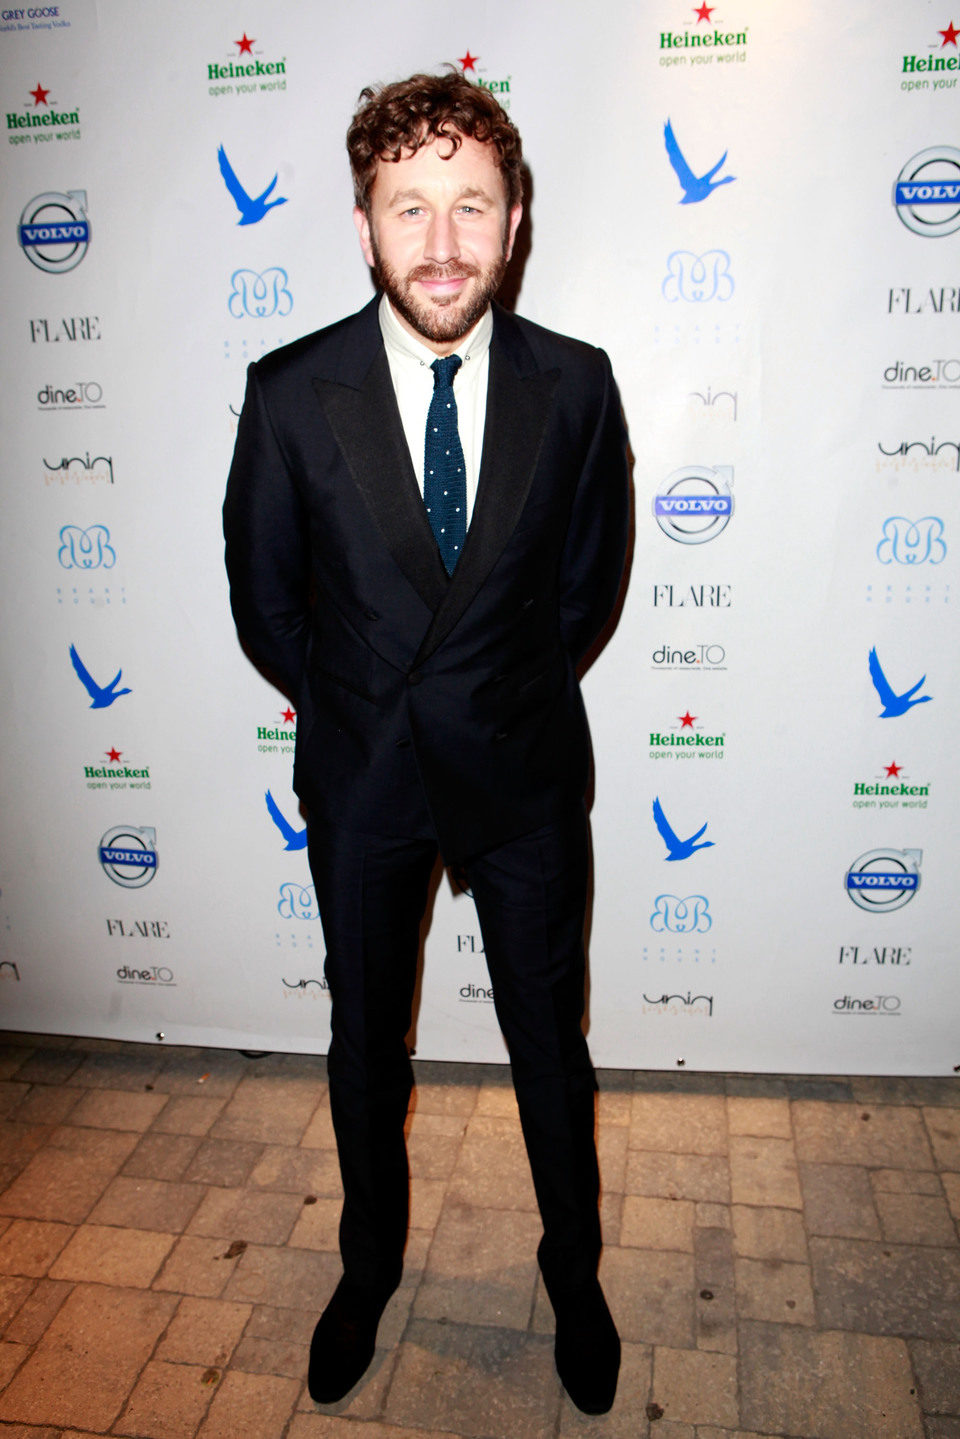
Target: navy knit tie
x,y
444,473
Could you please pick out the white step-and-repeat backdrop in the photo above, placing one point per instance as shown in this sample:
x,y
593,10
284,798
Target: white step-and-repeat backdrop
x,y
755,209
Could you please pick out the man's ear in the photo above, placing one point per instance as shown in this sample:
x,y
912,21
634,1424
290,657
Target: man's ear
x,y
513,222
363,230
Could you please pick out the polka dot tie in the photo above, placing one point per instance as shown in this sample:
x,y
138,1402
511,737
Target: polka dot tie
x,y
444,473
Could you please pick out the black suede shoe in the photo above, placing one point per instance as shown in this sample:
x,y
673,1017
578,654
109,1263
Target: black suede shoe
x,y
587,1348
344,1341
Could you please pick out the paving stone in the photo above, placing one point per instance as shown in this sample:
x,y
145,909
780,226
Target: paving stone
x,y
627,1419
12,1057
937,1367
12,1094
13,1291
951,1188
204,1331
612,1154
679,1081
651,1295
222,1161
756,1086
284,1278
492,1169
197,1266
941,1428
297,1171
147,1204
481,1267
679,1123
271,1110
240,1214
117,1109
186,1114
774,1290
272,1356
496,1381
498,1099
11,1357
169,1402
887,1289
678,1176
916,1219
61,1185
888,1137
129,1067
319,1132
905,1181
98,1143
126,1257
769,1233
815,1087
48,1104
161,1156
826,1386
19,1142
35,1314
943,1126
934,1089
614,1108
712,1216
29,1246
208,1073
331,1426
433,1144
715,1314
293,1326
50,1066
318,1225
838,1201
657,1223
695,1387
764,1118
426,1202
89,1359
764,1171
249,1406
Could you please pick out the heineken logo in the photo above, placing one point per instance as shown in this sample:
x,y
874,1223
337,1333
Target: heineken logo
x,y
246,67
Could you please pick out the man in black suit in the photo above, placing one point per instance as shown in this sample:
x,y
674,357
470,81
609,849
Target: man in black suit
x,y
426,523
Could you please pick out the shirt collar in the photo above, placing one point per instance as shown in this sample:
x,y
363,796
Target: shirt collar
x,y
403,346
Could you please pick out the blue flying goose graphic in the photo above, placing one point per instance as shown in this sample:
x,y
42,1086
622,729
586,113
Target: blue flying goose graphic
x,y
252,208
677,848
101,696
695,187
894,704
295,838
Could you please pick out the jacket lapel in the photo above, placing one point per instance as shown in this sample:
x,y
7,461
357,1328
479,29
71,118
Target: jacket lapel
x,y
361,409
519,400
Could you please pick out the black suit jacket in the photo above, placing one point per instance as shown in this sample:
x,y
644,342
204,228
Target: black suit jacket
x,y
423,701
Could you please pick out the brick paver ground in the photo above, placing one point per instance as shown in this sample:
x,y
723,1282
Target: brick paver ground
x,y
781,1254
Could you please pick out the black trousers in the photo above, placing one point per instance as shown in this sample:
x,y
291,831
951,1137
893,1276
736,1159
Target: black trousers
x,y
530,895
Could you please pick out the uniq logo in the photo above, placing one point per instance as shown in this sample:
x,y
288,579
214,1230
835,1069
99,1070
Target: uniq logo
x,y
297,901
695,504
88,549
681,916
697,278
129,856
259,296
883,880
912,542
54,232
927,192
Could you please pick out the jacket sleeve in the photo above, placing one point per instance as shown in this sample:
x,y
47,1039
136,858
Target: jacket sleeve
x,y
267,547
595,549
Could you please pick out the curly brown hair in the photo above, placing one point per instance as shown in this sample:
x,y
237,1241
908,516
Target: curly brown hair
x,y
394,121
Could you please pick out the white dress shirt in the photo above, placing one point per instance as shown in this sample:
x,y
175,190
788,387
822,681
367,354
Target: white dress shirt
x,y
410,362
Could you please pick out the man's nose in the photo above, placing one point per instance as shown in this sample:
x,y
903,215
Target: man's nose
x,y
442,243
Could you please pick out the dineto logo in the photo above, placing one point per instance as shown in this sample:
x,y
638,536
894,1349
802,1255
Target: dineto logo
x,y
878,1004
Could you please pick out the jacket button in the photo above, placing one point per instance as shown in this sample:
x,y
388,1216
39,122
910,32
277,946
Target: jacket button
x,y
414,677
500,735
403,744
371,615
